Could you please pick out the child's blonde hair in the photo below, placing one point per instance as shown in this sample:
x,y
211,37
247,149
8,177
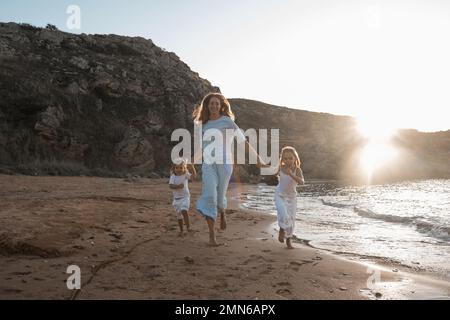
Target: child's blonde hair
x,y
177,162
297,161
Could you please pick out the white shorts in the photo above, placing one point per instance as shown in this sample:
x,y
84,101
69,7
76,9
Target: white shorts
x,y
181,204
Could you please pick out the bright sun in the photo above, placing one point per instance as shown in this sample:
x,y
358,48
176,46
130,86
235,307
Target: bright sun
x,y
374,155
378,151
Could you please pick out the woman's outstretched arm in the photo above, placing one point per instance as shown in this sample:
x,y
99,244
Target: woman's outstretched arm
x,y
259,162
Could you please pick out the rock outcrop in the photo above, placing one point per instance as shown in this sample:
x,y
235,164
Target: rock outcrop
x,y
330,146
101,101
107,104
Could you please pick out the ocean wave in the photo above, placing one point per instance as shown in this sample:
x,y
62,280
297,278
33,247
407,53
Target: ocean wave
x,y
432,229
366,213
336,205
438,231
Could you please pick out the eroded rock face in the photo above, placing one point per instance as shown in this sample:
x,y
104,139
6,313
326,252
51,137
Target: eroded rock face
x,y
330,146
135,151
104,101
109,103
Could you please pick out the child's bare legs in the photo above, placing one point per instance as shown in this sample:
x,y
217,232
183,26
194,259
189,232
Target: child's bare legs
x,y
288,243
186,220
212,236
223,219
281,234
180,224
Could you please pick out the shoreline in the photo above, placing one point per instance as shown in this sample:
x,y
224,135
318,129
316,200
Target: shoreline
x,y
397,281
123,236
397,264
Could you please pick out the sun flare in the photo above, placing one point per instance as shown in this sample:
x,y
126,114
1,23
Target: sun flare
x,y
378,150
375,155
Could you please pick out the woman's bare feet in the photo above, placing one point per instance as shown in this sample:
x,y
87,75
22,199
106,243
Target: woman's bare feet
x,y
223,220
288,243
281,235
212,242
212,236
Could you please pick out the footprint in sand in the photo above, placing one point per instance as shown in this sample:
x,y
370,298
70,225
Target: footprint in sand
x,y
302,262
266,271
295,265
11,290
254,258
116,235
222,283
314,283
284,291
189,260
20,273
216,245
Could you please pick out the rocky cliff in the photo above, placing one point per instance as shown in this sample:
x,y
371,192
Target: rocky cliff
x,y
90,103
330,146
107,105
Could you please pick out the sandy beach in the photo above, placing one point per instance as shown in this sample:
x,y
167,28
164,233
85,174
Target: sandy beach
x,y
123,234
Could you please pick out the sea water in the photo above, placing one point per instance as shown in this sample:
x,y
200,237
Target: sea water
x,y
406,222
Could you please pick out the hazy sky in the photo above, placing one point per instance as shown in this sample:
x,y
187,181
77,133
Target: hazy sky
x,y
385,61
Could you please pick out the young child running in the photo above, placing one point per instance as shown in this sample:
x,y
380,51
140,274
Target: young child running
x,y
180,173
290,175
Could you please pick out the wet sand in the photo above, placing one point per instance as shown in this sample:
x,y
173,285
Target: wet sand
x,y
123,234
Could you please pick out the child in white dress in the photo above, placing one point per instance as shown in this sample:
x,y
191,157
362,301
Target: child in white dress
x,y
180,174
290,175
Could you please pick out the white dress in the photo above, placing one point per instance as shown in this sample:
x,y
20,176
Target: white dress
x,y
181,197
217,166
286,203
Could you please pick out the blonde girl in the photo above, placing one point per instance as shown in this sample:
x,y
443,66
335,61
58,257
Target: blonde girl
x,y
180,174
290,175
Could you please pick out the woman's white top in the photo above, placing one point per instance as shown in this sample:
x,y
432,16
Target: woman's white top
x,y
218,137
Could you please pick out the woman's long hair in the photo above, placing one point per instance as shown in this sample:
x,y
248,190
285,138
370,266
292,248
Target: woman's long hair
x,y
201,113
292,150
